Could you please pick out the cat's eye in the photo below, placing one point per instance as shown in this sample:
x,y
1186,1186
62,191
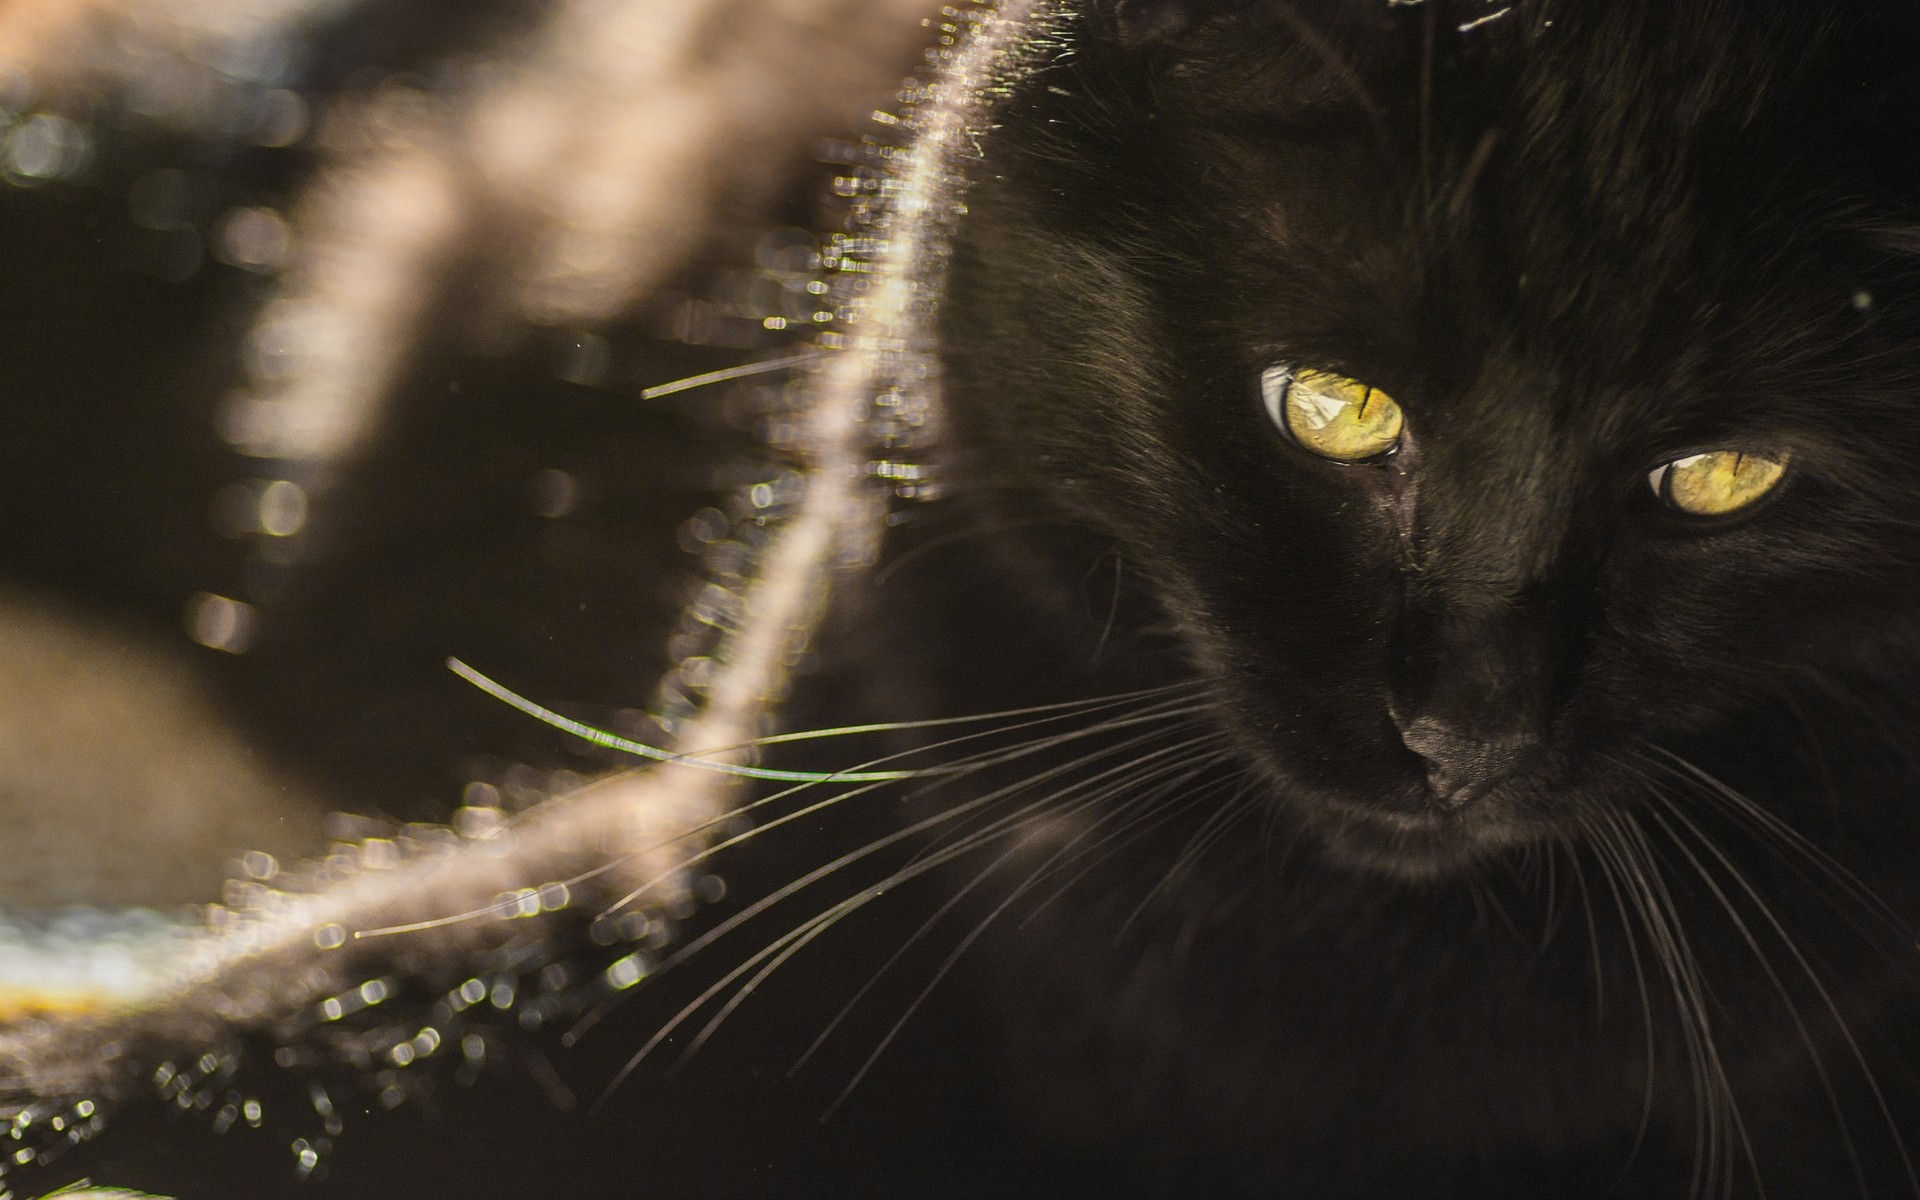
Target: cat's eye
x,y
1330,415
1717,482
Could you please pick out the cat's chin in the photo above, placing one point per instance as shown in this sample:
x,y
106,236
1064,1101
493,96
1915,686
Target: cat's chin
x,y
1414,842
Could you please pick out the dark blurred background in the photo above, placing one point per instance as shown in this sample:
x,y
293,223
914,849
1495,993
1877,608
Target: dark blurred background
x,y
323,331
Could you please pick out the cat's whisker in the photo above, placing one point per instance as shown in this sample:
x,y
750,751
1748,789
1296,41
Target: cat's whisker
x,y
1113,604
626,745
1499,909
786,944
1543,860
1250,794
1049,713
701,758
1719,1127
1208,835
1476,895
1727,1122
1010,824
1221,822
1774,923
1785,837
1489,911
1632,911
613,863
1850,898
949,771
873,847
926,862
1345,75
1116,779
1062,710
1132,824
1176,723
794,940
1599,836
607,864
953,957
958,896
1134,788
1095,792
1765,962
728,374
913,1006
783,946
818,921
953,537
1593,932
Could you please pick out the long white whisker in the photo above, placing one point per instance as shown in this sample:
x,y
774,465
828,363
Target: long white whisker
x,y
1600,836
744,371
1786,836
1726,1123
1716,1115
1177,720
945,967
1806,968
871,848
965,766
812,926
920,866
1766,966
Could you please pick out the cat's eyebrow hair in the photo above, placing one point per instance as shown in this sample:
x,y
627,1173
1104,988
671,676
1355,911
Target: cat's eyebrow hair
x,y
1475,23
1476,166
1350,79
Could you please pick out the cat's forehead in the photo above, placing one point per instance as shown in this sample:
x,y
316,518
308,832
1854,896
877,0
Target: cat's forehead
x,y
1664,207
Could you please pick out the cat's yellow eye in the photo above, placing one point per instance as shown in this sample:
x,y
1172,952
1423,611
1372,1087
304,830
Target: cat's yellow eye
x,y
1330,415
1718,482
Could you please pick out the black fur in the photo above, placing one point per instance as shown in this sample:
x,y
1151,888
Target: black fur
x,y
1575,241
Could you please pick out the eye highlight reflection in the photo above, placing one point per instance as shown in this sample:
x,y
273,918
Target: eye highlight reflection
x,y
1331,415
1717,482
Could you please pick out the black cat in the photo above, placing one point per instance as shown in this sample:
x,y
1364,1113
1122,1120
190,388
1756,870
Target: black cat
x,y
1500,422
1425,488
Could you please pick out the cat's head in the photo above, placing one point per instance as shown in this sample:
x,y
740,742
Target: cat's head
x,y
1497,399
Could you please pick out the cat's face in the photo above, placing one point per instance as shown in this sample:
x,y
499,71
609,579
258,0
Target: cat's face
x,y
1493,411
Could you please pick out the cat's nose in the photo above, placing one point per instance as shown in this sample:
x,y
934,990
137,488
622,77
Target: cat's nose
x,y
1462,768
